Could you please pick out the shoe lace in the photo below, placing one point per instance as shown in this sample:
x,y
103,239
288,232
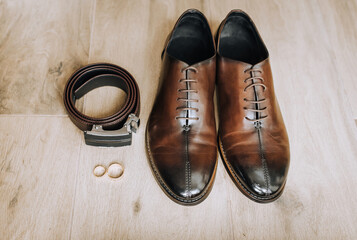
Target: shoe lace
x,y
256,81
188,100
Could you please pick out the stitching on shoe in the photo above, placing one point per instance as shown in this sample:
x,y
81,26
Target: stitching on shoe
x,y
264,162
266,174
187,167
163,184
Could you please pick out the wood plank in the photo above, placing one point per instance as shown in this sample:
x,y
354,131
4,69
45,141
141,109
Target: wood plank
x,y
41,44
38,171
340,25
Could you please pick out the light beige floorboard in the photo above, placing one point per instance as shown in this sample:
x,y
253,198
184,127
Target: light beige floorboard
x,y
312,48
38,167
41,44
340,25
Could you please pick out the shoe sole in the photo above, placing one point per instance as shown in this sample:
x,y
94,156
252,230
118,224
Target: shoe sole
x,y
239,182
174,197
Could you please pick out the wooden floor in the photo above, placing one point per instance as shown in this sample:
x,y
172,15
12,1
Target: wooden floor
x,y
47,188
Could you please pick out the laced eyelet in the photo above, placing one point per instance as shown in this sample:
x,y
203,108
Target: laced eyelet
x,y
256,102
188,100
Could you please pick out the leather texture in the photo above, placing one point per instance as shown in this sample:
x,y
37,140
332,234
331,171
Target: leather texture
x,y
181,130
97,75
253,140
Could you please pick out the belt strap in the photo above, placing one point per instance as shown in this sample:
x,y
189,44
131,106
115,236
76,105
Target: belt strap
x,y
111,131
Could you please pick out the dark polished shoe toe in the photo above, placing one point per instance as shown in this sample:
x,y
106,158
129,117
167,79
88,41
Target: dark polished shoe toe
x,y
260,179
179,187
186,184
263,183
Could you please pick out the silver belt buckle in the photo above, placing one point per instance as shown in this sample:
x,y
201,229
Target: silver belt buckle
x,y
113,138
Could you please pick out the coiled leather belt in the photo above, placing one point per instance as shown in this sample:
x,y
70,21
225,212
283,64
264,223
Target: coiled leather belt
x,y
112,131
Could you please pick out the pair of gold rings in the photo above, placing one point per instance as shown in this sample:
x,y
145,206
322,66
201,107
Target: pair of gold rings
x,y
115,170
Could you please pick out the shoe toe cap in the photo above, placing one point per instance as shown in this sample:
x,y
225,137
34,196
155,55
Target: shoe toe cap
x,y
262,178
185,183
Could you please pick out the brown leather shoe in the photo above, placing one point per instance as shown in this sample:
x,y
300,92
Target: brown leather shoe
x,y
253,141
181,134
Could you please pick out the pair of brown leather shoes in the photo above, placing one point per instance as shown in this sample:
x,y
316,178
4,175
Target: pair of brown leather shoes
x,y
181,136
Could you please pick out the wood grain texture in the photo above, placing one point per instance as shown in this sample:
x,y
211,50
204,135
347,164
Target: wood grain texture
x,y
38,168
41,44
340,25
47,186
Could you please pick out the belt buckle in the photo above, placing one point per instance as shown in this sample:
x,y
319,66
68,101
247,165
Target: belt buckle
x,y
112,138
